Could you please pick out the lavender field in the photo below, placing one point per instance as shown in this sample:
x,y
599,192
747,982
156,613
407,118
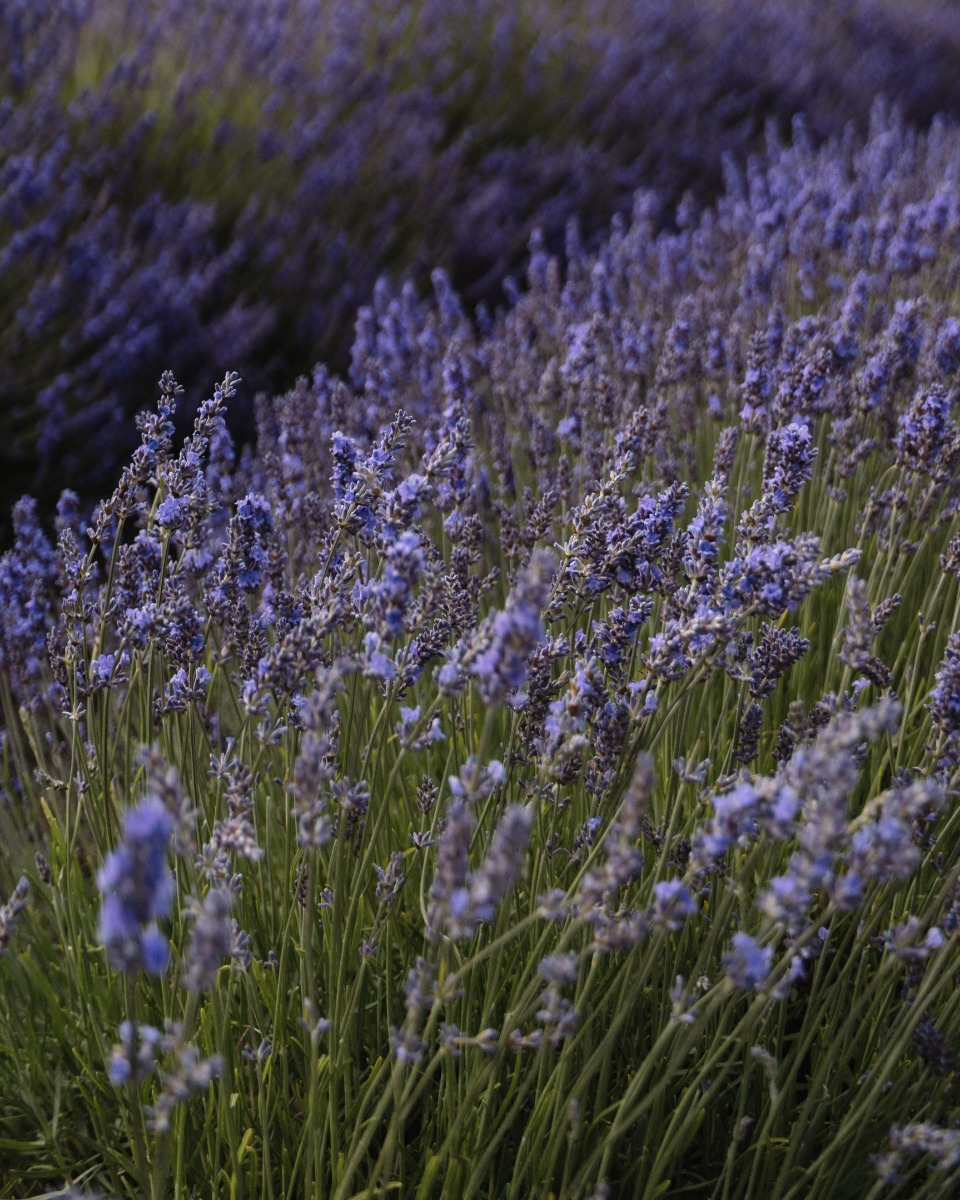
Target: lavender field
x,y
505,740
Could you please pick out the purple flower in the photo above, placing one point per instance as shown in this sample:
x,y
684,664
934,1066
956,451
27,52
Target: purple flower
x,y
672,904
373,662
779,576
135,1056
747,963
461,899
883,845
138,889
171,512
212,941
926,436
787,465
513,634
734,819
10,913
191,1074
945,697
180,691
390,597
390,879
947,349
788,897
559,968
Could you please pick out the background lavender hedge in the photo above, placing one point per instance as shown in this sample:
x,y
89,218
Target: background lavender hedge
x,y
221,184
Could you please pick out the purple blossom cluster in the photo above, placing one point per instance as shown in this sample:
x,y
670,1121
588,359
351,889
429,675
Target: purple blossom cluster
x,y
460,898
138,890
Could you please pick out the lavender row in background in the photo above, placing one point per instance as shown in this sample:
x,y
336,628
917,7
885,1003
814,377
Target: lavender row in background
x,y
213,184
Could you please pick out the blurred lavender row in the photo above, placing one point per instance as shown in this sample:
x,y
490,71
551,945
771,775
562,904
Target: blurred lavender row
x,y
213,184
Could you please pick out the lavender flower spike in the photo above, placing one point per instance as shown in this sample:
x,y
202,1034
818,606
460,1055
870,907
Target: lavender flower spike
x,y
212,940
138,889
747,962
10,913
945,697
461,899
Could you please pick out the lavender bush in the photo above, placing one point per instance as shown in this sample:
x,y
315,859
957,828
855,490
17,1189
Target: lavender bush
x,y
222,184
532,772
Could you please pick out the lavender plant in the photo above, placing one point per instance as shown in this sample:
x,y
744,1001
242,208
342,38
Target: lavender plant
x,y
534,769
